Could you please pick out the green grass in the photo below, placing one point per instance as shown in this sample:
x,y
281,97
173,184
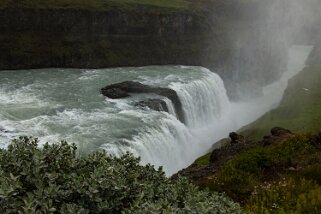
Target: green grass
x,y
204,160
299,111
133,5
288,195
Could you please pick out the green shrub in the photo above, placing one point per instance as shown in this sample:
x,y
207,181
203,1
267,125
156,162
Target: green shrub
x,y
287,196
54,180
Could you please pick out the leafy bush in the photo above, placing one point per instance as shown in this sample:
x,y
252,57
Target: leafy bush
x,y
54,180
287,196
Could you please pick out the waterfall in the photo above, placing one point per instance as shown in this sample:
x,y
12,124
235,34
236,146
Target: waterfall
x,y
170,106
65,104
203,100
169,142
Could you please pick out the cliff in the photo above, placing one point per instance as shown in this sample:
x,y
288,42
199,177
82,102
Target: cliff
x,y
128,33
97,34
91,39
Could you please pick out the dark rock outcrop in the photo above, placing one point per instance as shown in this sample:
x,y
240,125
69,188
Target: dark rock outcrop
x,y
155,104
236,138
277,134
221,156
115,93
123,89
280,132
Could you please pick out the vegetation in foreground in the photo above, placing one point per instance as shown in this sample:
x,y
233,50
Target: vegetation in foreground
x,y
54,180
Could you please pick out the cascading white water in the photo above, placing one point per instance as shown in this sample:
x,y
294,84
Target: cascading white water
x,y
56,104
203,100
67,105
171,143
170,106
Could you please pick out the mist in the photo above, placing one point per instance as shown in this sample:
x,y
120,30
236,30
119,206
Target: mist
x,y
265,32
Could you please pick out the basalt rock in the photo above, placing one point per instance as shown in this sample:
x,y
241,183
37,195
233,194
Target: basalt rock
x,y
277,134
116,93
280,132
124,89
154,104
236,138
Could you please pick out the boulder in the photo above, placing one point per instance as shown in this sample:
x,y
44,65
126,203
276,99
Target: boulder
x,y
236,138
280,132
277,134
115,93
123,89
154,104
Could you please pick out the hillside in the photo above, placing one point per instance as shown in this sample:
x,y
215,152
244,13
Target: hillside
x,y
300,108
272,170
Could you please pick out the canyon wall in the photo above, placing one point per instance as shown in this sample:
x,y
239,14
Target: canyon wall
x,y
228,37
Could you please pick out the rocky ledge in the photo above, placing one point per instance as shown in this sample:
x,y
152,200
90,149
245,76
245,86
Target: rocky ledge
x,y
237,143
124,89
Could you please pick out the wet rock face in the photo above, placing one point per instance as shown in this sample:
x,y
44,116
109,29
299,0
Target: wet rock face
x,y
127,87
123,89
154,104
115,93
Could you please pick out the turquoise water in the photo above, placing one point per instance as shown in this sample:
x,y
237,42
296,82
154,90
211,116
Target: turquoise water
x,y
66,104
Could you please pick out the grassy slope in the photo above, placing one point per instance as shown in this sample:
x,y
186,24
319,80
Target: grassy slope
x,y
102,5
299,111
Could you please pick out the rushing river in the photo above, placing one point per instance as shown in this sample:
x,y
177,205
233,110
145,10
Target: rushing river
x,y
66,104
